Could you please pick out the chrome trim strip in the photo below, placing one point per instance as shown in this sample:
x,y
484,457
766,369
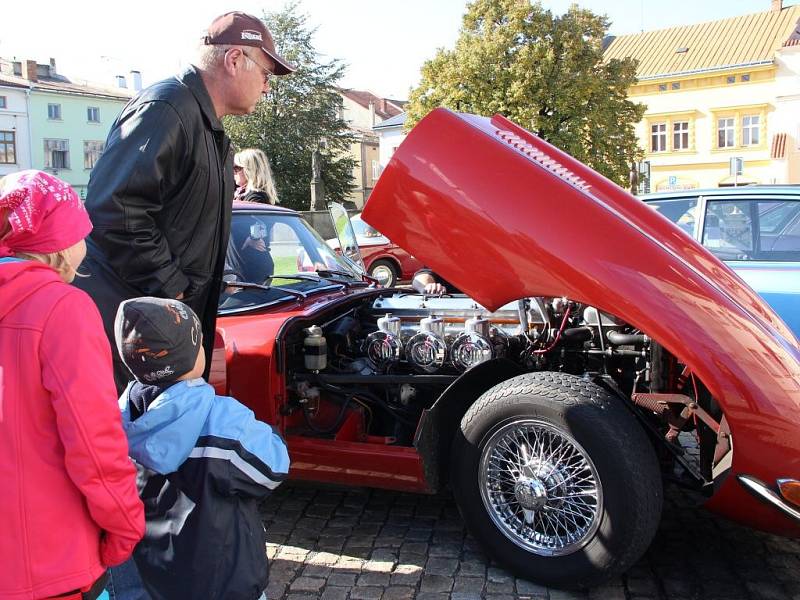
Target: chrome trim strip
x,y
761,491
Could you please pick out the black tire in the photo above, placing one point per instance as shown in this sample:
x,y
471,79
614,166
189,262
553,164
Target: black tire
x,y
621,464
387,267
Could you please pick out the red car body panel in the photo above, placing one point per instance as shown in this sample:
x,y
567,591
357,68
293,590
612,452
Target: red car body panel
x,y
532,221
254,377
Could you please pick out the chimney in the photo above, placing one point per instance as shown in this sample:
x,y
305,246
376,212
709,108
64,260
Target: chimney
x,y
777,5
383,105
121,83
53,71
29,70
372,112
136,81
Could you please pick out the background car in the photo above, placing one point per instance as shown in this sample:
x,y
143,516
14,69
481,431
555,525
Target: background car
x,y
754,229
384,260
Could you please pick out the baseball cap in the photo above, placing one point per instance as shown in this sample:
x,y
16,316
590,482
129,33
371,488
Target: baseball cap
x,y
158,339
240,29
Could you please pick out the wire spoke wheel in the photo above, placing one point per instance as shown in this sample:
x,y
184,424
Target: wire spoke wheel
x,y
540,488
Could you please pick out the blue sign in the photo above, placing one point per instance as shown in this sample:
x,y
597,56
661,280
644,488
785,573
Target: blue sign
x,y
673,179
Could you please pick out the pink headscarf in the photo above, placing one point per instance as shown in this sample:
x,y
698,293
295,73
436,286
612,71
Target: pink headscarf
x,y
44,212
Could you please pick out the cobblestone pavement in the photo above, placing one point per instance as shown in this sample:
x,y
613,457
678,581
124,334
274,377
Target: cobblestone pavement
x,y
338,543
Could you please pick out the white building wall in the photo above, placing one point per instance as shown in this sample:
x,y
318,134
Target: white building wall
x,y
390,139
15,118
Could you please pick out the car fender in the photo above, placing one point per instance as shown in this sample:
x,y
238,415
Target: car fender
x,y
440,422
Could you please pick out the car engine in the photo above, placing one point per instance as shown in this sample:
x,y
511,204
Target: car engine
x,y
382,363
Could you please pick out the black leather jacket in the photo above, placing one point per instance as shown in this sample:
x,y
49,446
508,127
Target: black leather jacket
x,y
160,201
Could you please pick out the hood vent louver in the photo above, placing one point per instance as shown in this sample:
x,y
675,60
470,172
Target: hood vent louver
x,y
543,159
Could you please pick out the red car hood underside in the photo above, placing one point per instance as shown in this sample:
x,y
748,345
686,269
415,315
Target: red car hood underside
x,y
503,215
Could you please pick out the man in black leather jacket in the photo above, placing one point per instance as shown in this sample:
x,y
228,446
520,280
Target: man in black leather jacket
x,y
160,196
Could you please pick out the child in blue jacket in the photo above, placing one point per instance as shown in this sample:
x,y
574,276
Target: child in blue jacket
x,y
203,461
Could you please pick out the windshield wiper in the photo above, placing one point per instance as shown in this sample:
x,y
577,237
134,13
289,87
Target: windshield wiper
x,y
327,274
258,286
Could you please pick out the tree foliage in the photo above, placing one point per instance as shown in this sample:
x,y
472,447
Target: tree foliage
x,y
300,111
543,71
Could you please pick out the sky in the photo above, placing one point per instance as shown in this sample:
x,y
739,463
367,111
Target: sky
x,y
383,44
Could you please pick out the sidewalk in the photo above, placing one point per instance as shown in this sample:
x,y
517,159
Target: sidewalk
x,y
339,543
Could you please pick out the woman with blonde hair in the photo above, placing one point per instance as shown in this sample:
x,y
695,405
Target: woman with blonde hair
x,y
69,509
253,176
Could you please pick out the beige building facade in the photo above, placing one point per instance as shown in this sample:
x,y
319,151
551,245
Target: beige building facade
x,y
722,98
363,110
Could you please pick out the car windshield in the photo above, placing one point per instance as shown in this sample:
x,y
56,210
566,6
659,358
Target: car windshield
x,y
362,229
277,257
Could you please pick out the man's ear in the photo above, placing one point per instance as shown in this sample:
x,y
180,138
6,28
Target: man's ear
x,y
232,61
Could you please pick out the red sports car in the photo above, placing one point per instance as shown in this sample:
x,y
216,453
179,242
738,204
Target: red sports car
x,y
597,343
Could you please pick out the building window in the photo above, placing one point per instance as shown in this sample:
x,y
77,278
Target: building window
x,y
376,170
8,148
93,114
91,153
725,132
751,130
662,87
3,102
731,79
745,77
56,154
658,137
676,85
680,135
54,112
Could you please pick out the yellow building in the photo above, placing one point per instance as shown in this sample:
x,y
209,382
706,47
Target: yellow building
x,y
717,91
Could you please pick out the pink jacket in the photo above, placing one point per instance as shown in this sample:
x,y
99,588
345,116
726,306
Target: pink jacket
x,y
68,501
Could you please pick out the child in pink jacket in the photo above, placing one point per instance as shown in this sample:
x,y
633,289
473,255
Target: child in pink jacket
x,y
68,507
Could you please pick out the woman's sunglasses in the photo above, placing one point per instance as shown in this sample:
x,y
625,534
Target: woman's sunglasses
x,y
237,168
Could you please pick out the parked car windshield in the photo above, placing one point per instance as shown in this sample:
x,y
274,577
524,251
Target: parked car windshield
x,y
745,229
268,249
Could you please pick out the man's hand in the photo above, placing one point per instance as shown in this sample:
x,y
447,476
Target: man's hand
x,y
435,289
179,296
257,245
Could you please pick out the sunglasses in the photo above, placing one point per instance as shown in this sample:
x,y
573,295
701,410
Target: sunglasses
x,y
237,168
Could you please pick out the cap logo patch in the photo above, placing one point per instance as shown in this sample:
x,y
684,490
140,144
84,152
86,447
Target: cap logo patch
x,y
249,34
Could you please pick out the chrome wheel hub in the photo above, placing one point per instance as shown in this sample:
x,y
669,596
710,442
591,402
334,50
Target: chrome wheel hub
x,y
540,488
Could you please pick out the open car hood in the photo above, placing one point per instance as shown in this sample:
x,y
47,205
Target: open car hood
x,y
504,215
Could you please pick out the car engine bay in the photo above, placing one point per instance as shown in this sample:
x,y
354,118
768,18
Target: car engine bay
x,y
370,372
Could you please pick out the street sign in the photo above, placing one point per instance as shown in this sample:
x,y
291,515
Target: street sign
x,y
736,166
644,177
673,180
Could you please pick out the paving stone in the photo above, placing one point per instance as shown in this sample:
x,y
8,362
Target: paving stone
x,y
398,592
342,579
307,584
366,593
335,593
373,579
500,576
529,588
276,590
441,566
436,583
468,585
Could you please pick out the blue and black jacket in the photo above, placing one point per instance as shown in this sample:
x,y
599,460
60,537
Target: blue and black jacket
x,y
203,463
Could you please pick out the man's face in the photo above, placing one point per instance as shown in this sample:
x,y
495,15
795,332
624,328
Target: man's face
x,y
251,83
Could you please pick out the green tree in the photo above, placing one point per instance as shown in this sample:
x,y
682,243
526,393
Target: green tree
x,y
301,111
543,72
